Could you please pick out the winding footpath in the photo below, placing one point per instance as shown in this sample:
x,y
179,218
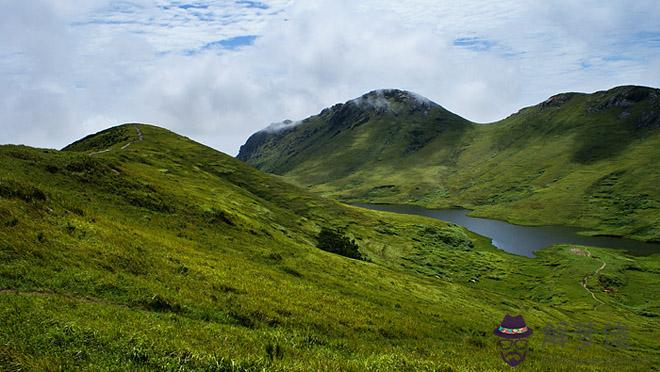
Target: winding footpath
x,y
595,273
140,138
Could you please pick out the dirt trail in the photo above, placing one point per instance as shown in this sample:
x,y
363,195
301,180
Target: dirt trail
x,y
595,274
99,152
140,138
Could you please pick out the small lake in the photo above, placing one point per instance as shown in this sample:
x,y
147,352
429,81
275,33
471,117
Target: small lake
x,y
522,240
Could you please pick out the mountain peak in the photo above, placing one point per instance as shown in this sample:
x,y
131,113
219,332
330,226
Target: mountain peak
x,y
405,117
379,101
383,100
103,139
122,136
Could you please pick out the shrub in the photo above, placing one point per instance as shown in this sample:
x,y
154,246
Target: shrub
x,y
70,229
450,236
215,216
608,281
87,165
160,304
41,238
242,319
274,351
52,168
14,189
332,241
151,201
274,256
225,288
12,222
77,211
291,271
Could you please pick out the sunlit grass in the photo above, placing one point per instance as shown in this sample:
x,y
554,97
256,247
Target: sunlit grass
x,y
169,255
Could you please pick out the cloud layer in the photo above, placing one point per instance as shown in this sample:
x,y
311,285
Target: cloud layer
x,y
220,70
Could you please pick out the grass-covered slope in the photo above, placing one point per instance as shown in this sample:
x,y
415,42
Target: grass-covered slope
x,y
589,160
140,249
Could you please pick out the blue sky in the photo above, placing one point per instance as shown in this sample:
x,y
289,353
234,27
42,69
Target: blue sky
x,y
220,70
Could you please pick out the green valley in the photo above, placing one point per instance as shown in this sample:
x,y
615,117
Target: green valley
x,y
495,208
139,249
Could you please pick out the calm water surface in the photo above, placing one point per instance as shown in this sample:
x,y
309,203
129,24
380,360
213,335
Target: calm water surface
x,y
522,240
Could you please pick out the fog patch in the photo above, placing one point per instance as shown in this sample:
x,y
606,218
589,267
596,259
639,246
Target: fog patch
x,y
280,126
391,100
373,100
421,100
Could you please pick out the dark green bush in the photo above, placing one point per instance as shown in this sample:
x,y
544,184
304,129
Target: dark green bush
x,y
608,281
160,304
41,238
216,215
182,269
274,256
152,201
291,271
52,168
77,211
14,189
332,241
446,236
242,319
12,222
70,229
87,165
225,288
274,351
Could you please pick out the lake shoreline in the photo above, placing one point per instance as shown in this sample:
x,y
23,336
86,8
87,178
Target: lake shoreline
x,y
519,239
585,230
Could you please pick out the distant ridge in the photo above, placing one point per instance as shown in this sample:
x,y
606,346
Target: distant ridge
x,y
547,163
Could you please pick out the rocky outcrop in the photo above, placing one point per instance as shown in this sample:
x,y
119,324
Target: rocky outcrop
x,y
253,145
556,100
622,97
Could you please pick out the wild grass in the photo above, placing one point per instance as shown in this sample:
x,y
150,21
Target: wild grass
x,y
211,265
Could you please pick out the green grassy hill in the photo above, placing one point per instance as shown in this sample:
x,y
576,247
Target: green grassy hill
x,y
588,160
138,249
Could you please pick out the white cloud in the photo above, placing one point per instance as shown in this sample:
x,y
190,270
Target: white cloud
x,y
66,71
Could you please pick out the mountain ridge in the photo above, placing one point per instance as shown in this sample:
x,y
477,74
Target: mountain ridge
x,y
437,159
